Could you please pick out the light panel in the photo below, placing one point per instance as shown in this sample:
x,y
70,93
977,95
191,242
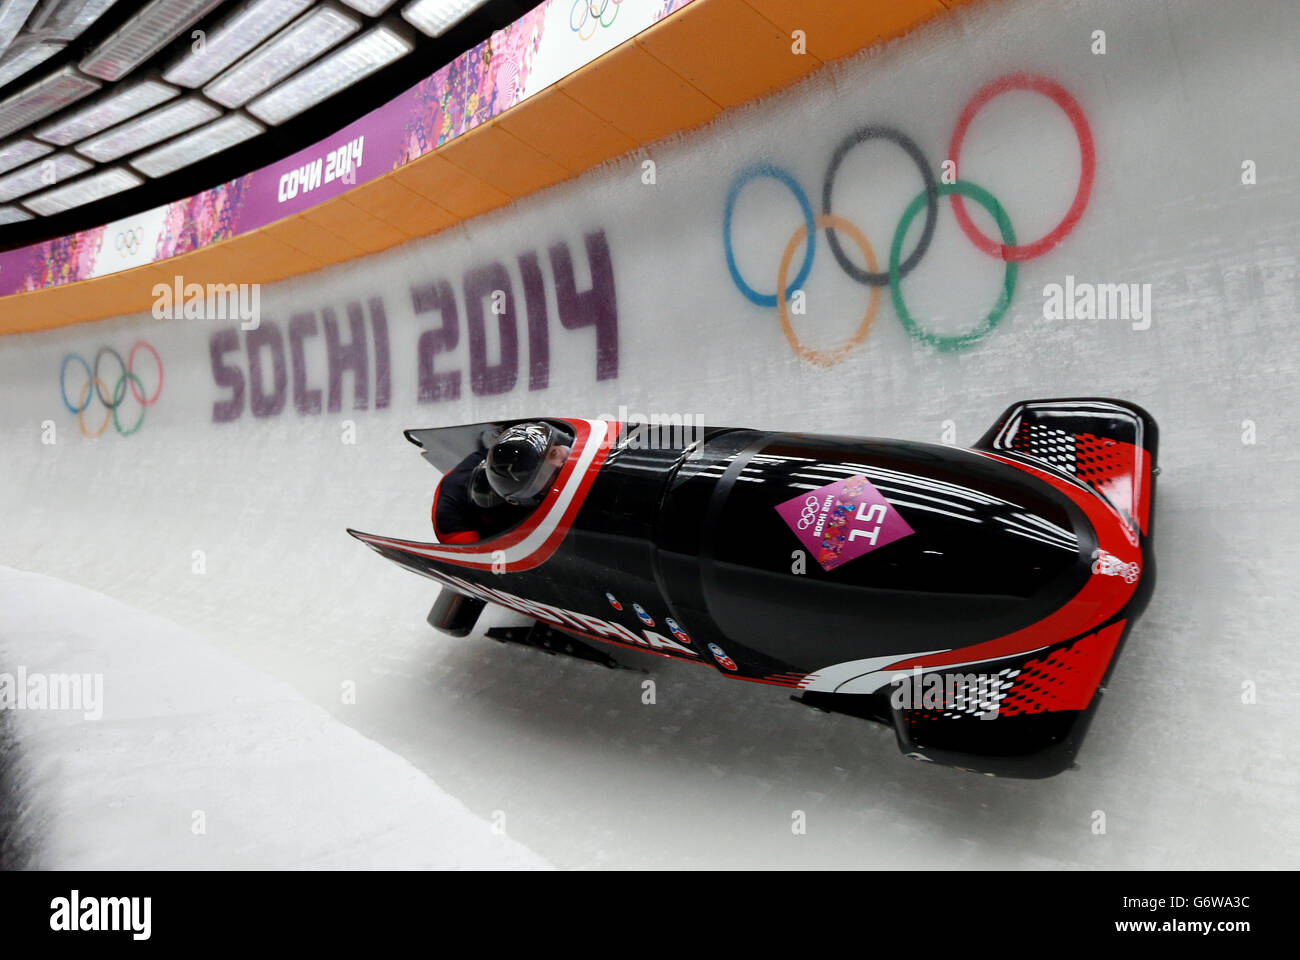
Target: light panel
x,y
193,147
43,98
236,36
436,17
17,152
303,42
107,111
13,14
360,58
65,19
145,131
23,57
83,191
371,8
43,173
13,215
144,35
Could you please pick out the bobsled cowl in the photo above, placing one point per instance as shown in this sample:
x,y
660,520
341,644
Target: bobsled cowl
x,y
1045,698
974,600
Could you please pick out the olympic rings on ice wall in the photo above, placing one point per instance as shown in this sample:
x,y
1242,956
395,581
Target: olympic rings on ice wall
x,y
1006,248
95,389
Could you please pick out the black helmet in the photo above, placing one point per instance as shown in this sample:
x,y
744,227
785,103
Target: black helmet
x,y
516,464
481,493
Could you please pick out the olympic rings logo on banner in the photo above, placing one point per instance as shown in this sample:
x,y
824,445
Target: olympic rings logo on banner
x,y
592,13
127,242
94,388
1006,249
809,512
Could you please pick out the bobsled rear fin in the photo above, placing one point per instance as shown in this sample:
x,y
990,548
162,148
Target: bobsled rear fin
x,y
1109,445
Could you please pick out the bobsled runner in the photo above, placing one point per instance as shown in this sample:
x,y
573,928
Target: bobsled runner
x,y
975,600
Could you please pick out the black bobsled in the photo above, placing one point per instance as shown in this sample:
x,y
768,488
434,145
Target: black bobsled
x,y
975,600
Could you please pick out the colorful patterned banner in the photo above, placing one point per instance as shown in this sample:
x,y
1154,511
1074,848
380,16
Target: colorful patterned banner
x,y
543,46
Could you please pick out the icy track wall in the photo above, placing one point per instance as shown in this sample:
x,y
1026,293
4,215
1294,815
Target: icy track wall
x,y
1164,164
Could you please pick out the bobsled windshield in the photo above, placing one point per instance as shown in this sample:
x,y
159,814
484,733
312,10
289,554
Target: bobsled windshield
x,y
504,481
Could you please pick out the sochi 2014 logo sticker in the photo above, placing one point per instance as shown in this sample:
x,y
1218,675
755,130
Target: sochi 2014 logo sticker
x,y
843,520
720,655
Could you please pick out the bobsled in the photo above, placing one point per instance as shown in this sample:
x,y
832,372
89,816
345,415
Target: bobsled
x,y
975,600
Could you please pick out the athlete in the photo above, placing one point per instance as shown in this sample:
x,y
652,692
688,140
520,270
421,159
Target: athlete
x,y
489,492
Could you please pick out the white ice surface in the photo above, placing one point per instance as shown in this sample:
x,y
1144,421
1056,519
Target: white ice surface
x,y
189,759
1185,772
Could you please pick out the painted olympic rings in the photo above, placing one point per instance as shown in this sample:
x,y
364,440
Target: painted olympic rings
x,y
862,135
776,173
95,387
1087,169
1008,250
989,203
827,358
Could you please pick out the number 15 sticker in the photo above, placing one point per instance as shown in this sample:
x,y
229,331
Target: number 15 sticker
x,y
843,520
